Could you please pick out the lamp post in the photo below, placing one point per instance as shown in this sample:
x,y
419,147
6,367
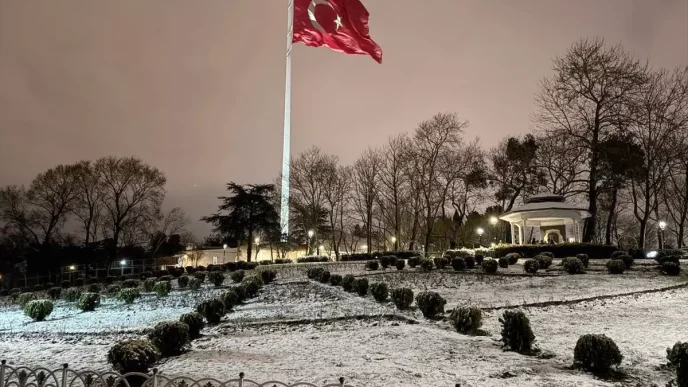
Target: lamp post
x,y
310,235
662,227
122,263
493,222
321,247
394,243
480,232
224,251
257,240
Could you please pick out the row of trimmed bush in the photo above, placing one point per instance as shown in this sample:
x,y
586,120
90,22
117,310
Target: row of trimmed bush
x,y
561,250
170,338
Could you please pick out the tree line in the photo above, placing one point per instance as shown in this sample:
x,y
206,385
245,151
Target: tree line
x,y
90,209
610,133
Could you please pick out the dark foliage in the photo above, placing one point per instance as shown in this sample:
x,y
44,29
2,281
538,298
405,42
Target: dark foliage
x,y
596,353
348,282
466,319
490,266
594,251
134,355
678,358
616,266
584,259
212,310
671,268
430,304
441,262
573,265
360,286
372,265
503,262
513,258
516,332
400,264
335,279
470,261
380,291
531,266
194,321
170,337
458,264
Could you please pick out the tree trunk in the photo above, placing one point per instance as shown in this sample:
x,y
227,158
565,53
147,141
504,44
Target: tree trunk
x,y
610,217
641,237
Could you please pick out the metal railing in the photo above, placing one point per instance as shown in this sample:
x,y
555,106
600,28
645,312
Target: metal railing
x,y
66,377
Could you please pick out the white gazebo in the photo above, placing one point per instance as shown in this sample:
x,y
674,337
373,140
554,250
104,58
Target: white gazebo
x,y
546,217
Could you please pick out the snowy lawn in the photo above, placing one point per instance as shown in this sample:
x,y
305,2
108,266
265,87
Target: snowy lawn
x,y
299,330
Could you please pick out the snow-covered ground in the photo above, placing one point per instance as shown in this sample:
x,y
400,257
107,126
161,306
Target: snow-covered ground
x,y
297,330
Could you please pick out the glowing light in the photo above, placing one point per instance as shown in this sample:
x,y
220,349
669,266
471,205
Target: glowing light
x,y
224,247
321,247
662,225
572,240
493,220
311,233
480,231
651,254
122,262
72,267
493,245
364,247
394,239
257,240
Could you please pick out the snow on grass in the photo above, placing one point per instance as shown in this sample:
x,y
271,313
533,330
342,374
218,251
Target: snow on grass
x,y
111,316
488,291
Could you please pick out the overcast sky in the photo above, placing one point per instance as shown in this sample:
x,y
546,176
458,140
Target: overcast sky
x,y
196,88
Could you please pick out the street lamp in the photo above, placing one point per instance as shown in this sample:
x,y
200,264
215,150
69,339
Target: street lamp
x,y
662,227
257,240
224,250
310,235
122,263
480,232
394,243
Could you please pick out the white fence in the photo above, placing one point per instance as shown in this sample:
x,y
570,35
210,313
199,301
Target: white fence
x,y
66,377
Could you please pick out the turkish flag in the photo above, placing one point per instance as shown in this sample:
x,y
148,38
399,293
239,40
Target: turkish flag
x,y
341,25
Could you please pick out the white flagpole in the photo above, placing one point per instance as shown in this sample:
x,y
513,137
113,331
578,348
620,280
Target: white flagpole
x,y
286,156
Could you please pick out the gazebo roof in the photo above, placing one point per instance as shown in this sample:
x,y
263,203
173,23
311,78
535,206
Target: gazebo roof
x,y
546,205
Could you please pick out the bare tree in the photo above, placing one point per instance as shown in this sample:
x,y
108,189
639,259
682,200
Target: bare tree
x,y
132,194
658,115
591,84
89,204
39,212
337,186
366,171
561,164
513,170
394,189
174,222
194,256
435,141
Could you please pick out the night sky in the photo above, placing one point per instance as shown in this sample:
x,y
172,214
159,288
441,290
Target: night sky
x,y
196,88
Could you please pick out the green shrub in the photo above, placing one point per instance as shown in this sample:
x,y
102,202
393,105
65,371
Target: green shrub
x,y
573,265
584,259
384,261
348,282
671,268
183,282
400,264
217,278
131,283
314,273
402,298
194,283
134,355
458,264
212,310
360,286
531,266
639,253
503,262
516,332
479,258
425,265
71,294
54,293
547,254
199,275
162,288
88,301
380,291
324,277
616,266
413,262
544,261
194,321
335,280
38,310
94,288
24,298
230,298
148,285
251,286
470,261
113,289
627,260
593,250
466,319
128,295
372,265
678,357
513,258
669,258
66,284
170,337
596,353
617,254
268,276
430,304
489,266
441,262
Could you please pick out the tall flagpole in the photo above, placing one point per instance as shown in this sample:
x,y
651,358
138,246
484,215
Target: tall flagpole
x,y
284,202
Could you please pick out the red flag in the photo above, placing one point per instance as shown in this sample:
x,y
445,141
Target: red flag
x,y
341,25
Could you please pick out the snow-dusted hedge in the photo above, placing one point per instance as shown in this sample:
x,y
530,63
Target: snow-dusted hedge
x,y
560,250
430,304
596,353
38,310
88,301
134,355
170,337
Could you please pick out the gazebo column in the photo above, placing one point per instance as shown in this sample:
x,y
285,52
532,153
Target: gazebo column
x,y
513,234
